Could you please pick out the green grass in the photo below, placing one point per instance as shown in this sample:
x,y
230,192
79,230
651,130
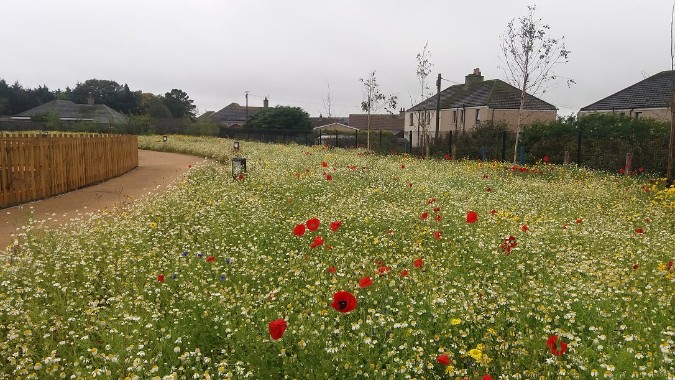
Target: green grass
x,y
86,301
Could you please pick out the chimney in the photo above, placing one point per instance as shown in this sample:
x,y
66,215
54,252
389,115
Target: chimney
x,y
266,103
90,99
474,78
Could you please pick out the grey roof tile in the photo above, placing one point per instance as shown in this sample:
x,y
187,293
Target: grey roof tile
x,y
653,92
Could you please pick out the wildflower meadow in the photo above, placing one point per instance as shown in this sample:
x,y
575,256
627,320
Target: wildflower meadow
x,y
324,263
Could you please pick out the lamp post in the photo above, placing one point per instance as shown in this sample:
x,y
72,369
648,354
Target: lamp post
x,y
238,162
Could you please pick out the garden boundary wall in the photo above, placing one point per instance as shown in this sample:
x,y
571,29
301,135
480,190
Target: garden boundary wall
x,y
36,166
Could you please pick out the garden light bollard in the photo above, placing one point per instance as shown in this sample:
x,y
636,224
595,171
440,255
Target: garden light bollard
x,y
238,162
165,138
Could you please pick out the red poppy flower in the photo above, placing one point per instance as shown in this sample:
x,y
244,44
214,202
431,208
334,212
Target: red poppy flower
x,y
331,269
525,228
313,224
437,235
670,264
324,164
424,216
447,156
487,377
639,230
489,189
431,200
160,277
383,269
210,259
443,359
523,169
365,282
317,241
636,265
299,230
437,209
344,302
493,212
403,166
418,263
329,177
557,346
579,221
335,225
545,159
471,217
508,244
240,177
390,231
404,273
438,218
277,328
485,176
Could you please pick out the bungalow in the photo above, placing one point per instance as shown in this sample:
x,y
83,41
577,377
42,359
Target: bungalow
x,y
465,106
235,116
71,112
385,122
648,98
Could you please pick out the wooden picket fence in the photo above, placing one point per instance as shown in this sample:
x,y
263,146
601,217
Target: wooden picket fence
x,y
36,166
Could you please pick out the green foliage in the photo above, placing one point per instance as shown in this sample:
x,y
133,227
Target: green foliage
x,y
281,118
108,92
16,98
202,127
606,138
179,104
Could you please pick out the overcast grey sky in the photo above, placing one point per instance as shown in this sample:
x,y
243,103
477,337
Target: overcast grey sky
x,y
215,50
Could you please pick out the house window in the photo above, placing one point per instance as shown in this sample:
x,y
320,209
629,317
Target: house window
x,y
477,115
454,117
411,118
637,115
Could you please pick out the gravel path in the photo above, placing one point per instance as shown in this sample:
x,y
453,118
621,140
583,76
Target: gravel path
x,y
155,170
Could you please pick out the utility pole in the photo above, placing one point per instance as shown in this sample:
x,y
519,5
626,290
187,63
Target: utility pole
x,y
438,106
246,106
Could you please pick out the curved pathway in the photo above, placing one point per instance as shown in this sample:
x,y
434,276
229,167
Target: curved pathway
x,y
155,170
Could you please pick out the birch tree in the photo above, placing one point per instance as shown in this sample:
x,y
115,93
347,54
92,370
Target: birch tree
x,y
375,100
530,56
423,70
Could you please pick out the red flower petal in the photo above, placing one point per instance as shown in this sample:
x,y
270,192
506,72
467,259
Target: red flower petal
x,y
443,359
365,282
437,235
299,230
404,273
335,225
277,328
344,302
331,269
525,228
418,263
471,217
313,224
317,241
160,277
424,216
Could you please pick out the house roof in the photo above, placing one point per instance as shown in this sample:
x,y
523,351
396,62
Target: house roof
x,y
67,110
494,93
335,126
653,92
234,113
387,122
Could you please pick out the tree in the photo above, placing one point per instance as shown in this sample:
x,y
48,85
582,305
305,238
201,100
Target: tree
x,y
530,56
281,118
328,103
375,100
423,70
153,106
107,92
179,104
